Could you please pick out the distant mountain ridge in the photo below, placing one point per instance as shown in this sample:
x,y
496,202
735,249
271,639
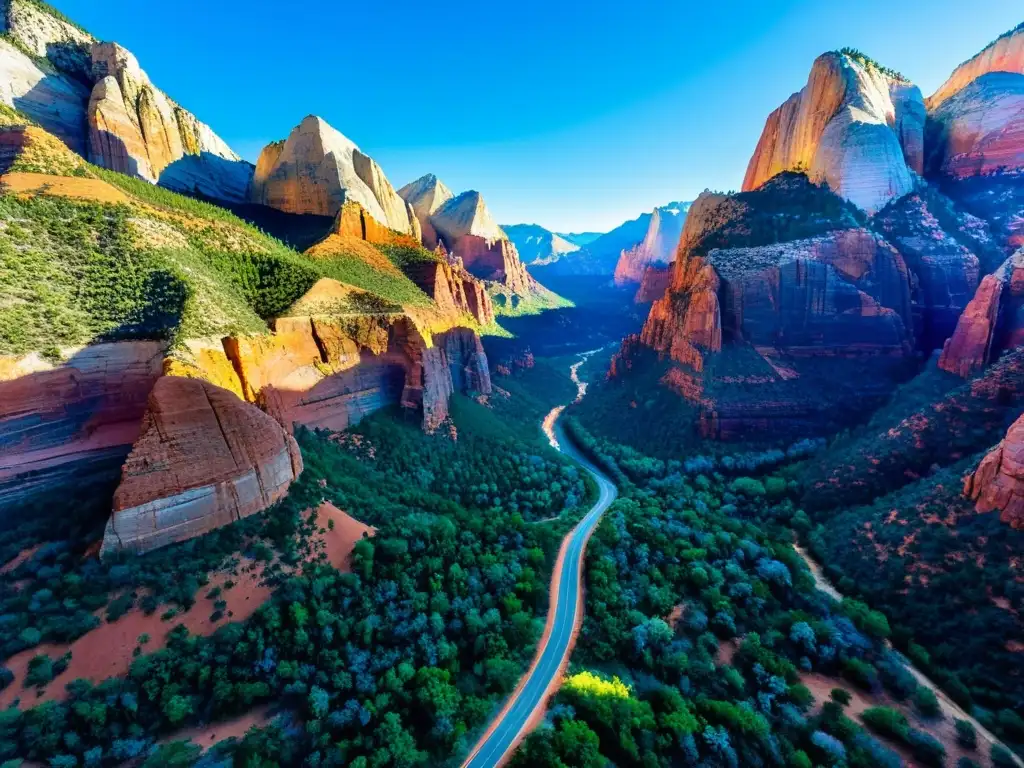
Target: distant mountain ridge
x,y
538,246
580,238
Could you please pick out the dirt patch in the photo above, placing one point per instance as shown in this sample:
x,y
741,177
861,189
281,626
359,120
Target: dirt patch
x,y
19,558
62,186
338,542
107,651
206,736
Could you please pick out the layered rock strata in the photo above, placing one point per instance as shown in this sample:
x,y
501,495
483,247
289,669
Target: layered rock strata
x,y
992,323
997,485
1004,55
204,459
853,127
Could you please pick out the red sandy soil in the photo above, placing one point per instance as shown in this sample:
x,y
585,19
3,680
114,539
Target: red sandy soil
x,y
20,558
207,735
107,650
338,544
943,730
62,186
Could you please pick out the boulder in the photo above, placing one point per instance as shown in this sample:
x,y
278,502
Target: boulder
x,y
134,128
992,323
204,459
854,126
657,249
317,169
997,485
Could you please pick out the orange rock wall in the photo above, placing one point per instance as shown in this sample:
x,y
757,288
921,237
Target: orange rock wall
x,y
997,485
1004,55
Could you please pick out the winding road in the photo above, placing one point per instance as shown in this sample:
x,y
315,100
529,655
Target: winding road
x,y
525,707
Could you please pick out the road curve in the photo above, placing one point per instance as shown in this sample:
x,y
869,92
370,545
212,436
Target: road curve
x,y
528,700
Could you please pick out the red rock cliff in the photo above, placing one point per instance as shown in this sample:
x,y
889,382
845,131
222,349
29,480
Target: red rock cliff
x,y
997,485
658,248
992,322
204,459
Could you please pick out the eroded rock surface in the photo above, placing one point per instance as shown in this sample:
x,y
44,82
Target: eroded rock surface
x,y
658,248
1004,55
853,127
204,459
997,485
992,323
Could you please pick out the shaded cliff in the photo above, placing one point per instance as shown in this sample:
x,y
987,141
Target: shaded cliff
x,y
657,249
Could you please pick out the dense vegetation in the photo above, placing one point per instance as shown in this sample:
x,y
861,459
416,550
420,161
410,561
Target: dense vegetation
x,y
699,629
396,663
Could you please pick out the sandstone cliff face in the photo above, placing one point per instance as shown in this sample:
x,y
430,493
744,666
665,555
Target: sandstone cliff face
x,y
73,417
204,459
135,129
997,485
852,127
317,170
979,130
426,195
55,101
992,323
933,238
658,248
1004,55
453,289
653,284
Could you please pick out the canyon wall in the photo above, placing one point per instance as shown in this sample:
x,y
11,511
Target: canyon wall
x,y
657,249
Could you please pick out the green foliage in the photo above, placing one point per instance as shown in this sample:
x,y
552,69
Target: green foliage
x,y
868,63
966,736
926,703
887,722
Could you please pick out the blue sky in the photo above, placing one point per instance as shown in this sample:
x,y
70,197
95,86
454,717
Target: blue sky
x,y
571,115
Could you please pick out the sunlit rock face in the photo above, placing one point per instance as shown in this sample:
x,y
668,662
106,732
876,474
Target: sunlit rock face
x,y
134,128
853,127
317,169
538,246
992,323
1004,55
997,485
658,248
979,130
426,195
204,459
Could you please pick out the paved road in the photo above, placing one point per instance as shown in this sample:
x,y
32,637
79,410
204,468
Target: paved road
x,y
531,694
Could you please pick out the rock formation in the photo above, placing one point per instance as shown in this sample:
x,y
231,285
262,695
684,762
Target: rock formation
x,y
538,246
466,227
204,459
947,252
317,169
653,284
55,101
998,482
1003,55
73,417
135,129
453,289
979,130
657,249
426,195
992,322
853,126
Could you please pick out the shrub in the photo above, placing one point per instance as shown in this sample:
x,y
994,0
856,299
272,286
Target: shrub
x,y
886,721
926,748
926,703
1001,757
966,736
749,487
841,696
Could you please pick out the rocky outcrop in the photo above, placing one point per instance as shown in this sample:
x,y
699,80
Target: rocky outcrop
x,y
134,128
1004,55
653,284
997,485
58,418
979,130
538,246
47,36
353,221
947,251
53,100
317,169
465,226
992,323
453,289
204,459
854,127
657,249
426,195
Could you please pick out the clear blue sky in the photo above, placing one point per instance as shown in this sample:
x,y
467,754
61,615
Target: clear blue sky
x,y
572,115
